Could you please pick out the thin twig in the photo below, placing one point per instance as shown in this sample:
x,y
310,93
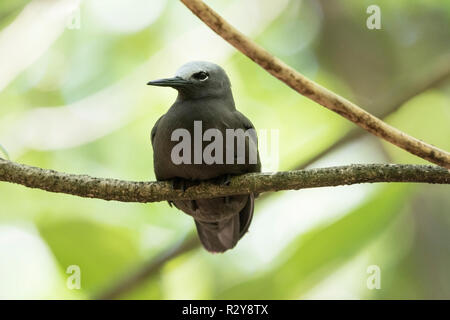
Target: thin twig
x,y
314,91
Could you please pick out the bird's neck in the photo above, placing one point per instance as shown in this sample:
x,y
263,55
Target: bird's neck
x,y
224,99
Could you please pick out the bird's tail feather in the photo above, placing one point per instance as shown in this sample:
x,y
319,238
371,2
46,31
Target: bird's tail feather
x,y
223,235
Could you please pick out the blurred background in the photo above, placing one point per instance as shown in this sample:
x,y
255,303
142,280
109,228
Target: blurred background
x,y
73,98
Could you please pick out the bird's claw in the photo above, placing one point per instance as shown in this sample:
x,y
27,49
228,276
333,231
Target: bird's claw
x,y
224,180
179,184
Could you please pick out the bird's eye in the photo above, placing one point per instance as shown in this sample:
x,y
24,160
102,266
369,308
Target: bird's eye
x,y
201,76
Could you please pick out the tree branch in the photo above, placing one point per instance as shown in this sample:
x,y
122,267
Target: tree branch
x,y
314,91
133,191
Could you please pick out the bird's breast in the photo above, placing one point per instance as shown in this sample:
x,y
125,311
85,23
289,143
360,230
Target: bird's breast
x,y
185,147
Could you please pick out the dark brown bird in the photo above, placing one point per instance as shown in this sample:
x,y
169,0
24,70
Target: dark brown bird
x,y
204,102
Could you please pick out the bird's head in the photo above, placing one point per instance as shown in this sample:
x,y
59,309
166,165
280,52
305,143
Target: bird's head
x,y
198,79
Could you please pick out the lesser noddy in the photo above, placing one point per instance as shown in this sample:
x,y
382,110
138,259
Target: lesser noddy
x,y
204,94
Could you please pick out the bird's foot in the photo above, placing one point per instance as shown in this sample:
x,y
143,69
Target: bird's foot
x,y
179,184
182,184
224,180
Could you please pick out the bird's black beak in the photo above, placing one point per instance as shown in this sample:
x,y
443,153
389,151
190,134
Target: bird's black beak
x,y
175,82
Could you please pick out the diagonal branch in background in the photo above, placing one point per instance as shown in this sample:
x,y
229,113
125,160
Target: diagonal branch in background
x,y
437,73
144,192
314,91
